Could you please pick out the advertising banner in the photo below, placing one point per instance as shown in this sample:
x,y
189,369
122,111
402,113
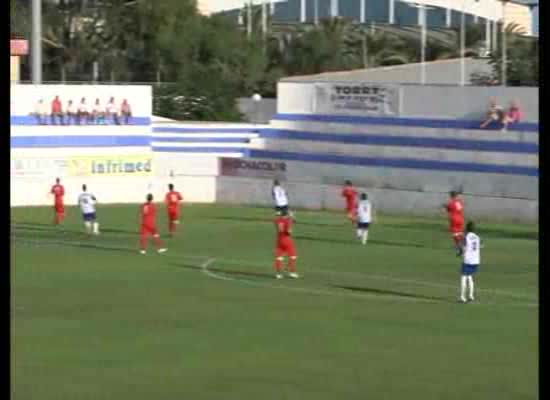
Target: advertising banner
x,y
36,167
129,165
253,168
360,99
124,165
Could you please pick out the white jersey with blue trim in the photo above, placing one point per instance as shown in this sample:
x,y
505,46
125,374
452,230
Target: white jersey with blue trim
x,y
364,212
87,201
279,195
471,252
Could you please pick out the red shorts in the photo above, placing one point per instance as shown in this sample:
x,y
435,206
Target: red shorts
x,y
456,227
148,230
59,208
285,247
351,210
173,215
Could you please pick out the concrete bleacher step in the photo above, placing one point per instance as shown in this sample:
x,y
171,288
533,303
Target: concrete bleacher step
x,y
413,131
393,151
228,140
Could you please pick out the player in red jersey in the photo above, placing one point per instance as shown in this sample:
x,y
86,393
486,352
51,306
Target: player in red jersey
x,y
58,191
455,211
172,201
350,194
148,213
284,245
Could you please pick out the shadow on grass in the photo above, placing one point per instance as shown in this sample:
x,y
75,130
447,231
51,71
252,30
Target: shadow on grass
x,y
225,271
80,245
483,231
271,220
354,242
384,292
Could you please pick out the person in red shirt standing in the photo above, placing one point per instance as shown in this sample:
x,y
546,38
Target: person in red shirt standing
x,y
172,201
58,191
455,211
284,245
350,194
57,111
148,213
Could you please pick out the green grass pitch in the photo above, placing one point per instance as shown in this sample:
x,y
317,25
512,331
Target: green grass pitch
x,y
94,319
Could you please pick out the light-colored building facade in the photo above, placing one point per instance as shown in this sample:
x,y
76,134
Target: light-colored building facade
x,y
400,12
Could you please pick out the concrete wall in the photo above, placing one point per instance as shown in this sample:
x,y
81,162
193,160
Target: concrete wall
x,y
252,191
441,72
257,112
429,101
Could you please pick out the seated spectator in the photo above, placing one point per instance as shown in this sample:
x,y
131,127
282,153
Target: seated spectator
x,y
57,111
40,112
98,113
125,111
495,113
82,114
71,113
513,116
111,110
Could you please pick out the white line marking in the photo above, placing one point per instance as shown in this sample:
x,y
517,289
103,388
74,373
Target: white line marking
x,y
204,267
211,260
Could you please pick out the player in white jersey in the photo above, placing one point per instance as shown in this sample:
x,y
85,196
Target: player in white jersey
x,y
279,196
87,202
471,259
364,218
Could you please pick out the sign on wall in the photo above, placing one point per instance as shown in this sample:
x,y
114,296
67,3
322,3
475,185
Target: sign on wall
x,y
130,165
361,99
36,167
125,165
252,168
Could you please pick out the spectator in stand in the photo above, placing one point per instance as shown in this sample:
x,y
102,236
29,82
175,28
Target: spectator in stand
x,y
57,111
495,113
98,113
112,110
83,115
40,112
71,113
513,116
125,111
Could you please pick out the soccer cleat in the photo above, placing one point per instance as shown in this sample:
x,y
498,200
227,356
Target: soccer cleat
x,y
143,252
463,300
162,250
294,275
279,276
471,298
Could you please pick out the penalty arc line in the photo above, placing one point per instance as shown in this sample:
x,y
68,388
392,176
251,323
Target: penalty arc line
x,y
374,277
204,268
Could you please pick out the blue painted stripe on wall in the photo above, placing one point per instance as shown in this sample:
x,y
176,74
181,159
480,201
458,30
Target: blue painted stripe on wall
x,y
200,150
198,140
78,141
420,122
205,130
405,141
29,120
397,163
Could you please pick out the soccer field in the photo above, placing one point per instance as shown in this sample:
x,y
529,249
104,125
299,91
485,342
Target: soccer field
x,y
94,319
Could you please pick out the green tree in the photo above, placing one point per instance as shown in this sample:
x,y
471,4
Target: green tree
x,y
522,57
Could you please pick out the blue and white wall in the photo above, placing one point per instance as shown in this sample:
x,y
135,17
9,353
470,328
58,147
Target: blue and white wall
x,y
407,164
